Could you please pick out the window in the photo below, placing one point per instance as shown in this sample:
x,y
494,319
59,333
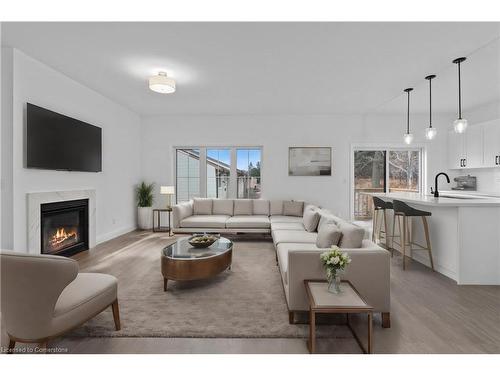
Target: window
x,y
248,169
383,171
218,172
188,174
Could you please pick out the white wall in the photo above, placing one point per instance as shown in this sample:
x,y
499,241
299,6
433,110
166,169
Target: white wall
x,y
37,83
276,133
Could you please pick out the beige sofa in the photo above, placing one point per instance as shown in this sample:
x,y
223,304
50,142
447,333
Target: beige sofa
x,y
296,251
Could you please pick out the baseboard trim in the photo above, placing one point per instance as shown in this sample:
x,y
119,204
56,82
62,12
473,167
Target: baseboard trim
x,y
110,235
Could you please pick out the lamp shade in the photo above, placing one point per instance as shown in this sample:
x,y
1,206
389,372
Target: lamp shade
x,y
167,190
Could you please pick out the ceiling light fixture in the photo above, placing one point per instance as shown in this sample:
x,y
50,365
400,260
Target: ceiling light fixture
x,y
430,132
162,84
460,124
408,137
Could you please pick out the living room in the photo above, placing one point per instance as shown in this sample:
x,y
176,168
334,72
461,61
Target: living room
x,y
250,187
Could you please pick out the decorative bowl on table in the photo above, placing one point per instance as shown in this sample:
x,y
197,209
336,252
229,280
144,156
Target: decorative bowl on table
x,y
202,240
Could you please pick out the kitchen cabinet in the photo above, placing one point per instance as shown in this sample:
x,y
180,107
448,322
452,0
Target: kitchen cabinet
x,y
478,147
492,143
474,149
456,150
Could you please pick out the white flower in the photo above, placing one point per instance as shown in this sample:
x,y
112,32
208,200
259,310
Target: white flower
x,y
335,260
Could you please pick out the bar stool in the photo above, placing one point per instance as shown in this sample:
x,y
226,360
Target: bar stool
x,y
405,213
379,215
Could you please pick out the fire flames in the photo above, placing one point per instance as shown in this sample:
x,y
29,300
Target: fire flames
x,y
61,238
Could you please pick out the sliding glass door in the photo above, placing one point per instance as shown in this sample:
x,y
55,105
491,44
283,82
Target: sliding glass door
x,y
381,171
369,177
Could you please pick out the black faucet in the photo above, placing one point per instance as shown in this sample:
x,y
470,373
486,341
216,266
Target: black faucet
x,y
436,192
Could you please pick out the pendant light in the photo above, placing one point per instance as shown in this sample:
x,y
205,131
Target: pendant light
x,y
430,132
460,124
408,137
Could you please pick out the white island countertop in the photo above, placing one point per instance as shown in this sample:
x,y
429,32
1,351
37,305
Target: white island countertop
x,y
446,199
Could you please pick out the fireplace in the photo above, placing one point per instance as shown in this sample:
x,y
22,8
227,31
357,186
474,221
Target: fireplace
x,y
65,227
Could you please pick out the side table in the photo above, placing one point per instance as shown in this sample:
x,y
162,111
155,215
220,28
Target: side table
x,y
157,227
348,302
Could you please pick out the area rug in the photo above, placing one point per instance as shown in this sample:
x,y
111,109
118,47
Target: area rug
x,y
246,301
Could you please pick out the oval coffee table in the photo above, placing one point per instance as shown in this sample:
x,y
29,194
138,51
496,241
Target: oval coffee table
x,y
181,262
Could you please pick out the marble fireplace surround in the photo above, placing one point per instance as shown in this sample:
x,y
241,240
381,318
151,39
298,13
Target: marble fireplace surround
x,y
35,200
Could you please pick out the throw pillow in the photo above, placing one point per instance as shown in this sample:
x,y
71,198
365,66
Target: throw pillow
x,y
202,206
352,235
311,218
293,208
328,235
276,207
243,207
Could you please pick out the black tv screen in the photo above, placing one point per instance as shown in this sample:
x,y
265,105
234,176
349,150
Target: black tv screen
x,y
59,142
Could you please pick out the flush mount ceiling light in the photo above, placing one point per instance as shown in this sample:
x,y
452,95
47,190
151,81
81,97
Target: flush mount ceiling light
x,y
408,137
460,124
430,132
162,84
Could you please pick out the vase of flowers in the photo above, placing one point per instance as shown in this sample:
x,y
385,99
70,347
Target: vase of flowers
x,y
335,263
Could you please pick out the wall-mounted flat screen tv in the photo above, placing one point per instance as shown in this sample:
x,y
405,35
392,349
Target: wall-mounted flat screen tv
x,y
56,141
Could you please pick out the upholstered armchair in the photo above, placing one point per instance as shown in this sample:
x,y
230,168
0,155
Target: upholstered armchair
x,y
44,296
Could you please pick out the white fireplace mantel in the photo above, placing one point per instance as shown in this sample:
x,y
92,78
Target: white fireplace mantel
x,y
35,200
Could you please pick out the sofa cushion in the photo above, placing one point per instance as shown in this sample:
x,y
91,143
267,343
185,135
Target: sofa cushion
x,y
285,219
180,211
248,221
293,208
293,236
276,207
282,251
202,206
287,226
352,235
328,235
260,207
205,221
326,216
311,218
93,290
243,207
223,207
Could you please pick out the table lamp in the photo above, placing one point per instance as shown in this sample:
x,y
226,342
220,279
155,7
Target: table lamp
x,y
168,191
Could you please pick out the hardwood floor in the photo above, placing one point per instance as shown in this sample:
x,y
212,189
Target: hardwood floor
x,y
430,314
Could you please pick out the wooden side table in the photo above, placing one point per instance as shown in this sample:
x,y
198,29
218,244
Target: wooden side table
x,y
158,227
347,302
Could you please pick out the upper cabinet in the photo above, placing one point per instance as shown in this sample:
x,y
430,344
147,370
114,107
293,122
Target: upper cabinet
x,y
492,143
478,147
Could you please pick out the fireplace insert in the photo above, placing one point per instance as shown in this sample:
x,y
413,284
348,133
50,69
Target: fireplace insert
x,y
65,227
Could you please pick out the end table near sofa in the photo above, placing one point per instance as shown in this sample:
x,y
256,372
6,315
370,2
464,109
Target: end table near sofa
x,y
158,227
321,301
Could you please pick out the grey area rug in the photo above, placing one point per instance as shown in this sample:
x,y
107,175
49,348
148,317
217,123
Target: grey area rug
x,y
246,301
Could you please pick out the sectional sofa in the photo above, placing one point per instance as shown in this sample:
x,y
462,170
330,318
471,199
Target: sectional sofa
x,y
299,231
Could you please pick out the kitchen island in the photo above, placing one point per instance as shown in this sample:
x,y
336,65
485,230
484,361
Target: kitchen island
x,y
464,231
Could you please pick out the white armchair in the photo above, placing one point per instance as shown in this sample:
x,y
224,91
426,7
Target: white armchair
x,y
44,296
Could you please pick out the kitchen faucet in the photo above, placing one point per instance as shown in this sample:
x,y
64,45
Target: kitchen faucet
x,y
436,192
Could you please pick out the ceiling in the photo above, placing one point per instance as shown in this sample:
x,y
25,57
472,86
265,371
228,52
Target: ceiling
x,y
270,68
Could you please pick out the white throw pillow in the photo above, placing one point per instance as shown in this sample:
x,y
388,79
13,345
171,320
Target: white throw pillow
x,y
352,235
328,235
311,218
293,208
243,207
202,206
276,208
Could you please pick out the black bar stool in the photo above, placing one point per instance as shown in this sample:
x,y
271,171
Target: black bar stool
x,y
379,215
405,213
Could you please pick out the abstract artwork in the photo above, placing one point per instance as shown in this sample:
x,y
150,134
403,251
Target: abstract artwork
x,y
309,161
